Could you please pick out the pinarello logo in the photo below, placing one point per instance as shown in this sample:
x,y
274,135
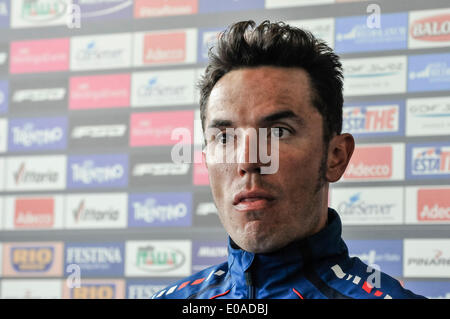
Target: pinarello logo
x,y
100,91
435,28
371,162
34,213
46,55
154,8
433,204
164,47
156,128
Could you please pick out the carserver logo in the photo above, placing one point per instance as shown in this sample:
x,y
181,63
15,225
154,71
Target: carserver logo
x,y
374,119
108,170
430,160
160,210
29,134
157,8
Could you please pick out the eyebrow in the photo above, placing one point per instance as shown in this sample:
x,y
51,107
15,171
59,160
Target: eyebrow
x,y
280,115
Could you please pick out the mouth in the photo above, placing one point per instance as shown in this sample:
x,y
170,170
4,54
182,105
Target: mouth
x,y
252,200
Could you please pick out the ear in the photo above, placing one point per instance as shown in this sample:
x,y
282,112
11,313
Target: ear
x,y
340,150
204,156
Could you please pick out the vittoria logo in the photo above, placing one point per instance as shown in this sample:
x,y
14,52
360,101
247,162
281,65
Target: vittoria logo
x,y
159,259
22,175
85,213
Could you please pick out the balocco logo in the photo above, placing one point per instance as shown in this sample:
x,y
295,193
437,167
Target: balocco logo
x,y
434,28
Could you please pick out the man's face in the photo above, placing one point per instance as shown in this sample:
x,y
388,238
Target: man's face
x,y
264,212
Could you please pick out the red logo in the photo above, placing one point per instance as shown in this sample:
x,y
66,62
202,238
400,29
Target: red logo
x,y
433,204
435,28
34,213
371,162
157,8
164,47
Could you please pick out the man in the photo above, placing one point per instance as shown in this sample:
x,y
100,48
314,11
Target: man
x,y
284,241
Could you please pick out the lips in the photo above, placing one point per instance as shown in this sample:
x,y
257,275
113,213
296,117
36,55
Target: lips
x,y
252,200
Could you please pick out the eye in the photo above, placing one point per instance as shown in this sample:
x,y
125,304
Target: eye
x,y
223,137
279,132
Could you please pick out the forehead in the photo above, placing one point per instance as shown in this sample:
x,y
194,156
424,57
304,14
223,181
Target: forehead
x,y
251,92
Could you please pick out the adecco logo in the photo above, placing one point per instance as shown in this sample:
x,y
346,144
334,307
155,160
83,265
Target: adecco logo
x,y
34,213
430,28
428,204
376,162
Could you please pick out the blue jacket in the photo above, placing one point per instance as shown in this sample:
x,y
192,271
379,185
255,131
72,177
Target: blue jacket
x,y
313,268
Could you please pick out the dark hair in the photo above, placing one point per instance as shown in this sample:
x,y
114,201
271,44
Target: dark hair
x,y
243,45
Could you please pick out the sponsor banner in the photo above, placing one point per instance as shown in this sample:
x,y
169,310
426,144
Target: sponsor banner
x,y
158,258
207,38
294,3
428,161
368,205
200,174
91,132
369,119
428,116
28,173
373,76
4,93
163,88
4,53
31,288
158,128
46,55
97,171
2,174
427,205
376,162
321,28
100,91
4,13
165,47
96,289
429,28
426,258
205,210
198,131
207,253
32,259
31,96
95,211
160,210
99,52
95,259
354,35
429,72
3,134
386,254
34,212
159,8
149,169
35,134
207,6
429,289
39,13
97,10
145,289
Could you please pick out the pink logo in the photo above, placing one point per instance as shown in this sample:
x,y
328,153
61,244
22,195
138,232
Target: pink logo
x,y
100,91
371,162
200,174
34,213
156,8
164,47
435,28
433,204
47,55
156,128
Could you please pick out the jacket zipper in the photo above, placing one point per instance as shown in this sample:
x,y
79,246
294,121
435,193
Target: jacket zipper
x,y
249,282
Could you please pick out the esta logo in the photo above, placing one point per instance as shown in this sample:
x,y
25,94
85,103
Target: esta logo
x,y
371,119
431,160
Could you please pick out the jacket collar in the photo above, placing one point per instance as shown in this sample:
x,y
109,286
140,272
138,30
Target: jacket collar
x,y
291,258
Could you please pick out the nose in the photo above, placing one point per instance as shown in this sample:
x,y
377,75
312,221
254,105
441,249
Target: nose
x,y
248,154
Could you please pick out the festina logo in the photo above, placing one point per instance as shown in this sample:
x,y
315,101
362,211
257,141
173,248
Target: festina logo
x,y
83,213
93,255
